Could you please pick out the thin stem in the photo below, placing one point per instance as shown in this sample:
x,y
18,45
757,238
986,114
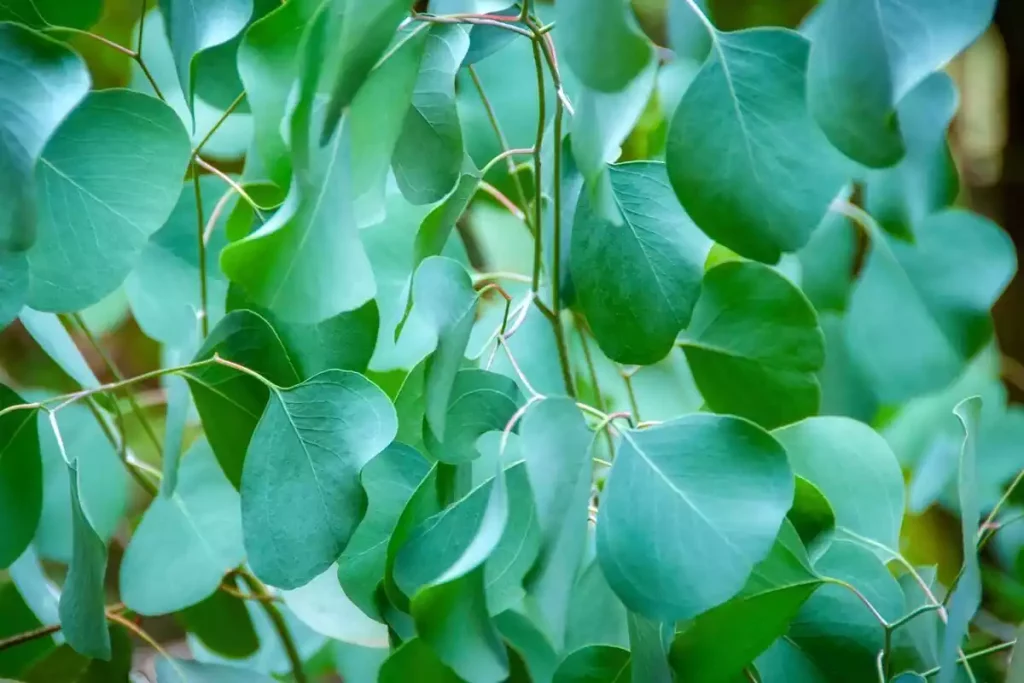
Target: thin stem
x,y
279,625
999,647
910,616
880,663
860,596
702,17
505,155
537,168
120,444
500,275
592,371
218,210
634,405
495,20
232,591
502,141
516,416
498,196
149,76
140,415
998,507
556,256
28,636
142,25
127,51
204,319
207,166
223,117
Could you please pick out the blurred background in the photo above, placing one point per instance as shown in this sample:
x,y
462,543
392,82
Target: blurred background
x,y
987,140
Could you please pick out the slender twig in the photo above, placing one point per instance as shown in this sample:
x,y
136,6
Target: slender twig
x,y
503,142
516,416
860,596
279,624
121,444
910,616
500,275
218,210
505,155
634,405
204,318
495,20
592,371
126,51
977,653
43,631
537,164
142,25
229,181
216,126
230,590
556,256
500,197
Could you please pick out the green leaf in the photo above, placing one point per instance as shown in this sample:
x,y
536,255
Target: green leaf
x,y
754,345
718,645
43,82
919,312
415,659
424,502
827,263
438,225
812,515
54,339
82,607
268,67
480,402
637,281
596,615
485,41
967,596
68,666
186,542
834,630
744,156
323,606
723,479
306,264
898,44
595,664
596,30
301,498
784,662
429,153
389,481
527,641
1015,674
19,618
925,181
556,443
358,33
648,647
222,624
845,459
107,180
13,286
187,671
21,478
197,25
163,288
230,402
40,13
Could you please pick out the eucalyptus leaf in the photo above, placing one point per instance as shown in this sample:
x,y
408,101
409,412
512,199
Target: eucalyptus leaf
x,y
43,82
637,281
754,345
722,479
900,43
107,180
595,664
323,606
49,332
597,30
39,13
480,402
301,498
415,658
21,478
185,671
748,105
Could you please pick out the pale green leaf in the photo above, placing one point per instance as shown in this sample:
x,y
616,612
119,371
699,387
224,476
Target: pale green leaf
x,y
744,156
865,58
596,615
415,659
221,624
43,82
51,335
637,281
429,153
21,478
197,25
301,498
754,345
595,664
323,606
479,402
186,542
186,671
722,479
648,649
107,180
597,30
919,312
827,263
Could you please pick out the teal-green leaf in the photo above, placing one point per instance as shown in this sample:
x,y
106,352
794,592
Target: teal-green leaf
x,y
785,662
424,502
49,332
389,481
107,180
722,483
718,645
306,264
637,281
438,225
197,25
163,288
925,181
596,30
301,498
268,66
484,40
221,624
43,81
39,13
556,443
21,478
596,615
13,286
323,606
595,664
649,649
827,263
82,607
844,458
186,542
834,630
866,57
68,666
812,515
919,312
479,402
744,156
966,598
188,671
429,153
230,402
754,345
415,659
358,34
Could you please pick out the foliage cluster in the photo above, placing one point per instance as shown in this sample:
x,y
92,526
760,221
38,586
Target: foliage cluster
x,y
453,394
